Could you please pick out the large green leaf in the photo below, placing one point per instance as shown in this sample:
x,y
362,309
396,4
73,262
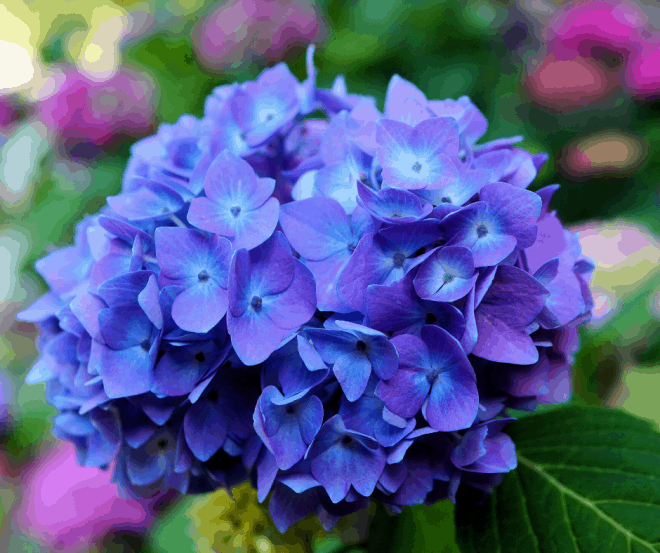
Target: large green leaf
x,y
588,480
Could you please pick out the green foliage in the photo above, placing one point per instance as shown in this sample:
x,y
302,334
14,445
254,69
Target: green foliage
x,y
172,64
422,528
588,479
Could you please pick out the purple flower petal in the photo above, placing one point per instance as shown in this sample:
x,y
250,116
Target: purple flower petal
x,y
446,276
352,371
316,228
393,205
205,429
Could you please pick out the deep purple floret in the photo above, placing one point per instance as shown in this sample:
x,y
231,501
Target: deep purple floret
x,y
397,309
491,228
271,294
435,376
342,458
383,258
287,425
354,352
319,229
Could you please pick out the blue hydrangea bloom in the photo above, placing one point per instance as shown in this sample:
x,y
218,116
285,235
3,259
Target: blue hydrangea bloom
x,y
335,309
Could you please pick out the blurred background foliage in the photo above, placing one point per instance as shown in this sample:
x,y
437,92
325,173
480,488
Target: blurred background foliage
x,y
491,51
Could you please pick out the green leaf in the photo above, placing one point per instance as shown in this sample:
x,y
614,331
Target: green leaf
x,y
588,480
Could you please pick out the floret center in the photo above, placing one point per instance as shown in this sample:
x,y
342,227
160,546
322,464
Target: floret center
x,y
212,396
235,210
255,303
447,278
200,357
417,167
399,258
432,375
146,345
361,346
482,230
351,247
430,318
445,200
346,440
203,276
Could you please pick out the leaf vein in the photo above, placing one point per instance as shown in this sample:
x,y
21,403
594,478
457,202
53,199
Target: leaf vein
x,y
528,520
596,447
583,500
537,436
627,501
569,524
596,469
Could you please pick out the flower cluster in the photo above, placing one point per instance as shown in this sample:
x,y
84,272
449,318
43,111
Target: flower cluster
x,y
334,309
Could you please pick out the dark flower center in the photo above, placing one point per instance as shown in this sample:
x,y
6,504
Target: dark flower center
x,y
162,443
399,258
269,117
482,230
361,346
351,247
146,345
290,410
200,357
430,319
346,440
447,278
417,167
255,303
212,396
203,276
432,375
445,200
235,211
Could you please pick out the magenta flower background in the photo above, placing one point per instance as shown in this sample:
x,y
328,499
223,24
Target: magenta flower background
x,y
84,110
68,507
240,29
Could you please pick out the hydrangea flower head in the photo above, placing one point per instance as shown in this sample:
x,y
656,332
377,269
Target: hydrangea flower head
x,y
332,310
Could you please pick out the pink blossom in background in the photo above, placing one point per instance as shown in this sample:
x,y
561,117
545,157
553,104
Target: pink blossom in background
x,y
6,111
238,30
643,73
69,507
615,25
83,110
12,112
560,84
617,34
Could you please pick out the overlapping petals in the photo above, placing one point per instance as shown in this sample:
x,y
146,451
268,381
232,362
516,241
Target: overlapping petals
x,y
370,348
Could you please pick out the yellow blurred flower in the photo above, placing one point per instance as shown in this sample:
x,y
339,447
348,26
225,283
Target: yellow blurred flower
x,y
242,525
